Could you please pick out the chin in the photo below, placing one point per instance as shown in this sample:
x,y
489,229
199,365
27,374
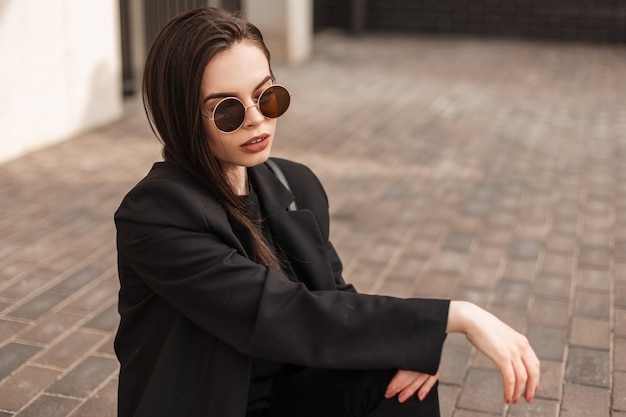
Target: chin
x,y
257,159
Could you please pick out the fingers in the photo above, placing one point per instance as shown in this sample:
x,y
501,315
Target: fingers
x,y
412,388
427,386
533,367
521,374
397,383
406,383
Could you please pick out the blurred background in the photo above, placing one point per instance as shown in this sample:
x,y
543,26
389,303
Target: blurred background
x,y
68,63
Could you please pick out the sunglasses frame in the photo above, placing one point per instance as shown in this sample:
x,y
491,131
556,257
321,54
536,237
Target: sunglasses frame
x,y
256,104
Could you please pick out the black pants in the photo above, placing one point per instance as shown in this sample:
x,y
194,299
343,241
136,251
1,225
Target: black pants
x,y
338,393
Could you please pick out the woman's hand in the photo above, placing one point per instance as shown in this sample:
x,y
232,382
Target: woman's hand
x,y
508,349
406,383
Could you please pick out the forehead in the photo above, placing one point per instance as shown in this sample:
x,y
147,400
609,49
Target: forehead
x,y
235,70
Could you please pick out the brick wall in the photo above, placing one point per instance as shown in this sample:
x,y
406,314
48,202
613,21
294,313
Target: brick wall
x,y
582,20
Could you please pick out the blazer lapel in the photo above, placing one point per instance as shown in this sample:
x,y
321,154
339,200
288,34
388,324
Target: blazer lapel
x,y
297,232
273,196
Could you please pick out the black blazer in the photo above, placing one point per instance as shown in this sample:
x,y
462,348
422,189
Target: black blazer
x,y
195,309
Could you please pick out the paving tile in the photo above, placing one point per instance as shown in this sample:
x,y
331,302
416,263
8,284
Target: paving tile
x,y
550,312
365,274
9,328
599,239
619,392
25,286
78,280
590,333
49,406
458,242
620,295
436,285
480,276
474,295
482,392
551,385
102,404
620,271
448,395
14,355
594,222
619,354
467,413
448,262
620,322
85,377
558,264
553,286
64,353
520,270
565,227
565,244
381,250
588,367
512,294
21,387
107,346
594,257
66,260
15,268
524,249
99,295
454,360
592,304
4,305
487,256
49,327
502,218
496,236
38,306
548,342
537,408
594,279
584,401
620,249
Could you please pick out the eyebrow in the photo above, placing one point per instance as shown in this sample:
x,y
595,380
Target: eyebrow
x,y
224,95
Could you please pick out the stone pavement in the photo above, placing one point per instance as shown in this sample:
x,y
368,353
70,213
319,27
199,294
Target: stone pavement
x,y
482,170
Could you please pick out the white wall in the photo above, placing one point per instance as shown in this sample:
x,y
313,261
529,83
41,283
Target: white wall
x,y
287,26
60,70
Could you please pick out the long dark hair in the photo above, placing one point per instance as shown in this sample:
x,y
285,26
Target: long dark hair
x,y
171,97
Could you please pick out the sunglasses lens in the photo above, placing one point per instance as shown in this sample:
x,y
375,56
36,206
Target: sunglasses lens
x,y
274,101
229,115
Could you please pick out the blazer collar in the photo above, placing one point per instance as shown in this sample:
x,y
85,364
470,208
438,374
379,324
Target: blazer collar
x,y
273,195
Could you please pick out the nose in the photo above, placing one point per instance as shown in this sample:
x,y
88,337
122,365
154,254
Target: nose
x,y
253,115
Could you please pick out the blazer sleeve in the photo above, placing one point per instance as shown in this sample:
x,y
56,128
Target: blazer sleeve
x,y
179,245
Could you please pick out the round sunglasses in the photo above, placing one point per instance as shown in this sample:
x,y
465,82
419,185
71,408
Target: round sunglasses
x,y
230,112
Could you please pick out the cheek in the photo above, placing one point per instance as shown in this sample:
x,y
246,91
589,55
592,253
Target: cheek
x,y
272,124
213,138
212,134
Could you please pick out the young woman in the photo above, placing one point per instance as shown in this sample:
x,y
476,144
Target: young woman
x,y
232,300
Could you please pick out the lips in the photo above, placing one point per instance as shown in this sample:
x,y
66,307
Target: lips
x,y
256,144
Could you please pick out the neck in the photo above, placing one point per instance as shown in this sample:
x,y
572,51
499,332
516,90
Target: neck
x,y
238,178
